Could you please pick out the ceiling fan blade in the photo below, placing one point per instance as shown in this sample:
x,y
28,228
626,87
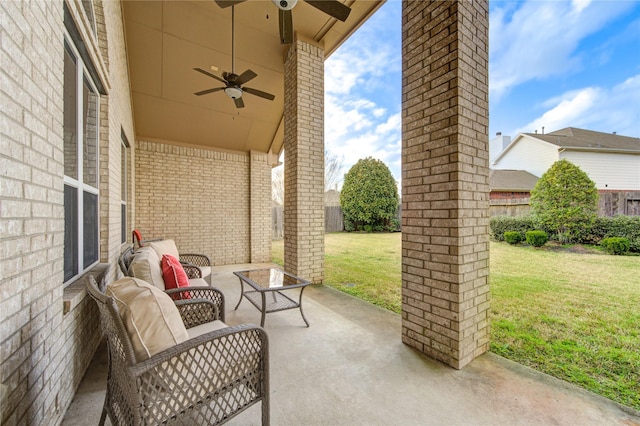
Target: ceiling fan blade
x,y
210,75
286,26
332,7
205,92
228,3
246,76
239,102
260,93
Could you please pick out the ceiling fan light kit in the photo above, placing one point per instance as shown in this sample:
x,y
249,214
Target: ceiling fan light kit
x,y
232,81
233,92
334,8
285,4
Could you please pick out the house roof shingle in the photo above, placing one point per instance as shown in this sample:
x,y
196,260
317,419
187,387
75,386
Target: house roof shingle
x,y
571,137
511,180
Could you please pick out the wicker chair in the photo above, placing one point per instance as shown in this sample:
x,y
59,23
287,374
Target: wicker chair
x,y
192,263
207,379
202,261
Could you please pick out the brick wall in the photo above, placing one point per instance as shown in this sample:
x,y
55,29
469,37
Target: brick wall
x,y
48,334
445,179
205,203
260,187
304,161
32,212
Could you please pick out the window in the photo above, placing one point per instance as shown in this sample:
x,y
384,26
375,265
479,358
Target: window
x,y
124,186
81,135
87,5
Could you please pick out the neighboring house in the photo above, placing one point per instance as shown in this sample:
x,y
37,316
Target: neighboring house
x,y
610,160
510,192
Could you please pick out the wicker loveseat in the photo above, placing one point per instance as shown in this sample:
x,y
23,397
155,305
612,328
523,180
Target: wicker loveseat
x,y
144,263
195,265
209,376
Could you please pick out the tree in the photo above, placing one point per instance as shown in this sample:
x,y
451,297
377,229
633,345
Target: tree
x,y
277,185
332,176
332,170
369,197
565,200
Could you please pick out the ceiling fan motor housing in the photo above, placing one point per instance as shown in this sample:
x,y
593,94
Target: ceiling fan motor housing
x,y
285,4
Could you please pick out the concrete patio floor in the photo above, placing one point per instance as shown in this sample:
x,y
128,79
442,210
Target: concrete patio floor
x,y
351,368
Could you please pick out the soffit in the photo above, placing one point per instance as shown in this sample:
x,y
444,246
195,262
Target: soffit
x,y
166,39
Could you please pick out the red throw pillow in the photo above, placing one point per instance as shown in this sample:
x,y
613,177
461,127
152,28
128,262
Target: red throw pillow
x,y
174,275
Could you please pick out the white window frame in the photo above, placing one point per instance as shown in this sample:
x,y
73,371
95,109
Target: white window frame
x,y
124,176
83,75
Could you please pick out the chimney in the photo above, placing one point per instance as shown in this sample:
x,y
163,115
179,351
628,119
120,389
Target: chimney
x,y
543,130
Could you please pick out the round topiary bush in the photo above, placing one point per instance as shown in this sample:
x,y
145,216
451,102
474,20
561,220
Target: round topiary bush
x,y
512,237
616,245
536,238
369,196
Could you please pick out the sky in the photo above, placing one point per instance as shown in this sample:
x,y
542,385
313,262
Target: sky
x,y
552,64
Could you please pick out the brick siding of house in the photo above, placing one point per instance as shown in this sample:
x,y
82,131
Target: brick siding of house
x,y
445,179
49,333
304,161
204,200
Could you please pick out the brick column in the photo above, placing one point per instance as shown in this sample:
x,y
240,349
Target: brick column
x,y
260,208
304,161
445,179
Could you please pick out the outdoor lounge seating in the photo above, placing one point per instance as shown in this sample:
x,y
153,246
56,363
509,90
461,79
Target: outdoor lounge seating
x,y
201,371
145,259
202,261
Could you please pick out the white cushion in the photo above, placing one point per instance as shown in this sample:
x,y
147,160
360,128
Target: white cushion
x,y
163,247
145,265
151,318
198,282
205,328
206,271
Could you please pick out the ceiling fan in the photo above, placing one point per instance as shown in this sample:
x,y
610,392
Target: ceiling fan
x,y
331,7
233,82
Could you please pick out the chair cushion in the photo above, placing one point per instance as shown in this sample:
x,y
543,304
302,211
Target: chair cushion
x,y
163,247
146,266
205,328
198,282
173,274
151,318
206,271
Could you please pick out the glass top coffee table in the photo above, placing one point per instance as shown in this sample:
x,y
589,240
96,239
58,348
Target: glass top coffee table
x,y
266,287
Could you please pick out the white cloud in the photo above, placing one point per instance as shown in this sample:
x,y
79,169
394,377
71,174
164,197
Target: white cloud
x,y
594,108
361,119
537,40
391,125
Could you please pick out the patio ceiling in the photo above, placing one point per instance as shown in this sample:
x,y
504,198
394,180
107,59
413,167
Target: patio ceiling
x,y
167,39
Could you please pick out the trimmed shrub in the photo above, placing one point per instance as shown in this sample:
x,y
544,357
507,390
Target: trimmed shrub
x,y
618,226
512,237
615,245
369,196
565,201
536,238
501,224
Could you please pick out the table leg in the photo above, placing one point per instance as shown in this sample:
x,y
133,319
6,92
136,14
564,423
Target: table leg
x,y
264,308
241,293
300,305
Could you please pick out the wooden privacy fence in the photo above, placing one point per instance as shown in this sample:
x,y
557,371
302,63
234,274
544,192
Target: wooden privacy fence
x,y
333,220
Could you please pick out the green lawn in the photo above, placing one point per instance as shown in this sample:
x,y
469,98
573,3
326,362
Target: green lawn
x,y
575,316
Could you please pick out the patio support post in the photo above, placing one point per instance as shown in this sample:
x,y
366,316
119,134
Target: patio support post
x,y
445,173
260,203
304,161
